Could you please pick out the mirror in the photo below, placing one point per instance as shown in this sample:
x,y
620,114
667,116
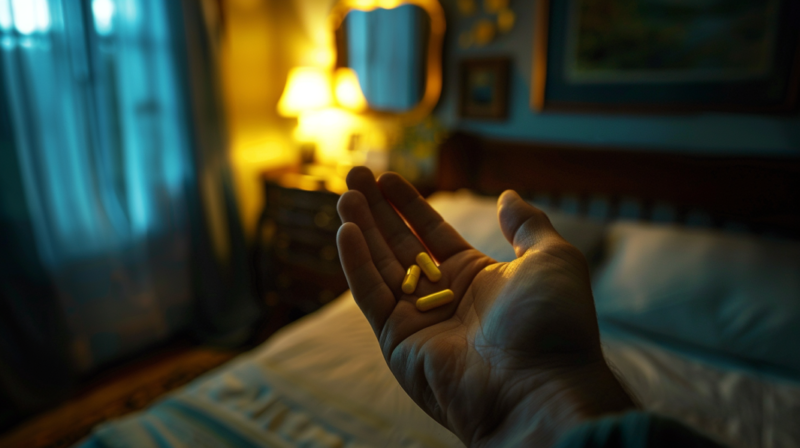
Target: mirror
x,y
386,49
394,47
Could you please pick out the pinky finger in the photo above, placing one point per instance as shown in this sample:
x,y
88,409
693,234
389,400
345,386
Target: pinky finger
x,y
370,291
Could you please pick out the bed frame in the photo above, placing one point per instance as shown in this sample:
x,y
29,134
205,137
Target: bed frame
x,y
756,194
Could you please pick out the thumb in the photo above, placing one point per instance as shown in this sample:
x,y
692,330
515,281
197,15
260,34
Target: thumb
x,y
523,225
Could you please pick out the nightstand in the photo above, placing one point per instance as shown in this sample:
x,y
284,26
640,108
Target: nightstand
x,y
297,263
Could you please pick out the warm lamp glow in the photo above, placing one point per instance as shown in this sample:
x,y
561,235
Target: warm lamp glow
x,y
364,4
348,90
307,89
323,124
330,129
368,5
390,4
324,57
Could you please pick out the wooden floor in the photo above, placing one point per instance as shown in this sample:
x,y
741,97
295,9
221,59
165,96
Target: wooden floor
x,y
126,389
132,386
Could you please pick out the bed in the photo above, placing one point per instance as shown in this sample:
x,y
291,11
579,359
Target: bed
x,y
696,272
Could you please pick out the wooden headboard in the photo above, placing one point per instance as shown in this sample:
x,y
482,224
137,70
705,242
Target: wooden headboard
x,y
760,194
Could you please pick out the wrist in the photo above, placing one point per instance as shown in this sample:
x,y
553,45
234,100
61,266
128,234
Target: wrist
x,y
559,401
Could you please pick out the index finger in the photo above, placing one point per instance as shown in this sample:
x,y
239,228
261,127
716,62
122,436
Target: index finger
x,y
439,236
404,244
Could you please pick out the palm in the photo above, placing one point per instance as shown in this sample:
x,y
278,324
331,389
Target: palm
x,y
510,326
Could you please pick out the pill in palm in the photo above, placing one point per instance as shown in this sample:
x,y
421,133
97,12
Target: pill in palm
x,y
428,267
411,279
435,300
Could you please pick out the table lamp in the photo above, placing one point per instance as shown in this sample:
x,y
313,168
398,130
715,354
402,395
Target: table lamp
x,y
326,107
348,90
307,89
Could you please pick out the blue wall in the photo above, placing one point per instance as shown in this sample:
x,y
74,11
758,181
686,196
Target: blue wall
x,y
712,133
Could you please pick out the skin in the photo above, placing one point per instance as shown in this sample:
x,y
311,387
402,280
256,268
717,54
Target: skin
x,y
515,359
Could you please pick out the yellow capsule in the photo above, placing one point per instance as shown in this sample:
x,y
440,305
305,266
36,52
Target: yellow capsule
x,y
435,300
428,267
412,277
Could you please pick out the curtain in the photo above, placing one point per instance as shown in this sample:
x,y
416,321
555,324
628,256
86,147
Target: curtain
x,y
221,282
117,210
385,48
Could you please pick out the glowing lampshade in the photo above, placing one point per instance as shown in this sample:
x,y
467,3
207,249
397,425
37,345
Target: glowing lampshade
x,y
348,90
307,89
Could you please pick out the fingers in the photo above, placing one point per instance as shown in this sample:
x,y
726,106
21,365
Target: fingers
x,y
353,207
369,289
440,237
399,238
523,225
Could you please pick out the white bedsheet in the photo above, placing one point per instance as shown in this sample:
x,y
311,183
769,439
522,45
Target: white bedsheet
x,y
337,352
737,407
322,381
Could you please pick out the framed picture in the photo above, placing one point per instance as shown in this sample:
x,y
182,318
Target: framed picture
x,y
666,55
483,88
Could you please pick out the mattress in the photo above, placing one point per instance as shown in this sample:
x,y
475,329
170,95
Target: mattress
x,y
323,382
320,382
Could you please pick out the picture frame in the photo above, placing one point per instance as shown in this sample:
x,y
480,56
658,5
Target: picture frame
x,y
605,66
484,88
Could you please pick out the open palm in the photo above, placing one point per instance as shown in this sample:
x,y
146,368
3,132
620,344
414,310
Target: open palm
x,y
518,345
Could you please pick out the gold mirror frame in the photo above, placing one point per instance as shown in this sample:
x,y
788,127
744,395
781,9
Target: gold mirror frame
x,y
433,76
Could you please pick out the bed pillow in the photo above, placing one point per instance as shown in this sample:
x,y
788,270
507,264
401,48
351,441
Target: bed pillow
x,y
733,294
475,218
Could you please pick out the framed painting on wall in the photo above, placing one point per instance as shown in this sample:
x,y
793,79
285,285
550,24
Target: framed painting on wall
x,y
483,88
666,55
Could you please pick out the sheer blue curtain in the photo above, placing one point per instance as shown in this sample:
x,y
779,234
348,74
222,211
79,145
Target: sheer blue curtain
x,y
101,144
102,148
385,48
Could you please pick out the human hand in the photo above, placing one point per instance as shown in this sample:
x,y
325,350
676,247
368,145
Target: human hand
x,y
516,357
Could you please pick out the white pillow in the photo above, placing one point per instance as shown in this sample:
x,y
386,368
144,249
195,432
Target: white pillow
x,y
475,218
737,295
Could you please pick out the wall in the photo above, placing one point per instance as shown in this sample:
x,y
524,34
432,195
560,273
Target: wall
x,y
262,41
265,38
698,133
